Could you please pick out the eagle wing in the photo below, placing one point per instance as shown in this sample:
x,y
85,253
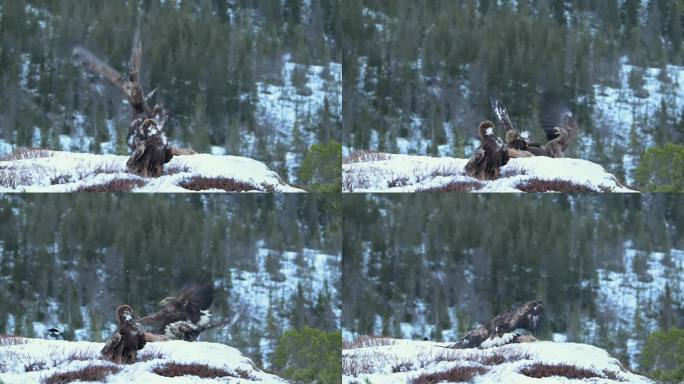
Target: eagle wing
x,y
557,119
95,65
136,56
502,114
476,163
113,347
196,298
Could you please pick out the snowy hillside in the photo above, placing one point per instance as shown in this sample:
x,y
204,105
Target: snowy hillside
x,y
34,360
49,171
378,172
371,360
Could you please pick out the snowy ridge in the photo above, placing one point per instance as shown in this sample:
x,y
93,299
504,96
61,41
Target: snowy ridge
x,y
53,357
67,172
405,173
402,361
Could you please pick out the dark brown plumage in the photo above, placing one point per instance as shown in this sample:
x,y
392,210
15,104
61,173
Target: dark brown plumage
x,y
183,317
123,346
489,157
508,327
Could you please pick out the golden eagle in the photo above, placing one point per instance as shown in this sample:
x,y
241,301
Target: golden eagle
x,y
484,164
123,346
185,316
505,328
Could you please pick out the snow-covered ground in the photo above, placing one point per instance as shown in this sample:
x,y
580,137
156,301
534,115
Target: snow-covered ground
x,y
403,361
67,171
45,358
405,173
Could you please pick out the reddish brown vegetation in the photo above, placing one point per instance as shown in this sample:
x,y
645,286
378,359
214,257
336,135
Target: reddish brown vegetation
x,y
454,375
199,183
90,373
26,153
200,370
456,186
540,370
365,156
11,340
563,186
116,185
367,341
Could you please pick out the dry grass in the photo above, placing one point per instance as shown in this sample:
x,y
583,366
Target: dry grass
x,y
563,186
27,153
90,373
540,370
367,341
148,354
454,375
200,183
11,340
109,168
456,186
116,185
365,156
176,168
199,370
512,171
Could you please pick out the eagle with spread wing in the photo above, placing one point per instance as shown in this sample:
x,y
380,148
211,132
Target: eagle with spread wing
x,y
147,141
484,164
517,144
185,316
560,127
509,327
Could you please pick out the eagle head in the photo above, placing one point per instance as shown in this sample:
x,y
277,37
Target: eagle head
x,y
511,136
533,313
124,313
169,302
486,129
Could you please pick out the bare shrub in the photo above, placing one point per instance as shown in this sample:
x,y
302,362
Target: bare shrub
x,y
109,168
453,375
149,354
563,186
355,366
11,340
397,182
365,156
540,370
200,183
456,186
199,370
26,153
116,185
367,341
512,171
90,373
177,168
10,177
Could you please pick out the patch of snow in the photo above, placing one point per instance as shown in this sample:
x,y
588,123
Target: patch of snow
x,y
404,173
68,171
401,361
54,356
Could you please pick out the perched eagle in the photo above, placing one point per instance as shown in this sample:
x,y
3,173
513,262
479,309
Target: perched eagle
x,y
509,327
489,157
149,147
183,317
123,346
517,144
560,127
